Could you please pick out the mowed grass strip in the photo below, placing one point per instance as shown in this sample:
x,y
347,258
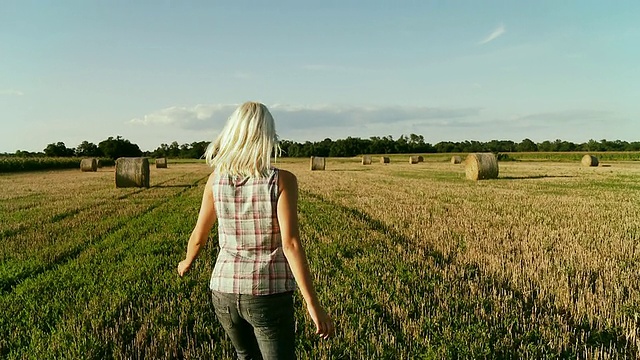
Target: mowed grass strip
x,y
45,245
120,298
35,199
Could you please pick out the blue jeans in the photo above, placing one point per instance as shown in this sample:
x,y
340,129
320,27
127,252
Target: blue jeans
x,y
259,326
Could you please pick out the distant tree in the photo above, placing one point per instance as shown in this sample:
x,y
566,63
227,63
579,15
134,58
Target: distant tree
x,y
174,150
197,149
88,149
119,147
527,145
21,153
633,146
593,145
58,149
446,147
402,145
322,148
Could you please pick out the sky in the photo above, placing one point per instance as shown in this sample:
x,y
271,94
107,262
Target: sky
x,y
160,71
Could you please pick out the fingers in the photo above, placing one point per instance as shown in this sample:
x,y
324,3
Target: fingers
x,y
325,328
182,268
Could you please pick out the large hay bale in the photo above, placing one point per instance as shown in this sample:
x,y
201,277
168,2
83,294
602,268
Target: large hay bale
x,y
420,158
89,164
132,172
589,160
456,159
317,163
481,166
161,163
413,160
385,160
366,160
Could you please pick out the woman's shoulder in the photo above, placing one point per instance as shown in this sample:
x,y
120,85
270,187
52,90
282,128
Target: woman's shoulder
x,y
286,179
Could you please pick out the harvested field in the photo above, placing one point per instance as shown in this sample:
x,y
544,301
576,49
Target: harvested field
x,y
411,261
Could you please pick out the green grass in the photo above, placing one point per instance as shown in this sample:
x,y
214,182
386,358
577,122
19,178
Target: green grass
x,y
93,276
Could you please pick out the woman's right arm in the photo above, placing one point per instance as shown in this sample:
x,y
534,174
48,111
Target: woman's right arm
x,y
294,252
200,234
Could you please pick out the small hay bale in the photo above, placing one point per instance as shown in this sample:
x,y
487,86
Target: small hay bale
x,y
413,160
589,160
161,163
420,158
89,165
317,163
385,160
366,160
481,166
132,172
456,160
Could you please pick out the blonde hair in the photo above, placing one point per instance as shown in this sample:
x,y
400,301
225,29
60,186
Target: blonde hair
x,y
246,142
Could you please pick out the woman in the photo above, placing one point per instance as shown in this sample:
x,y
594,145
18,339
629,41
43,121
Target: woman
x,y
261,258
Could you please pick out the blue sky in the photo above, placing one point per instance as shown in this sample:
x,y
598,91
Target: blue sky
x,y
158,71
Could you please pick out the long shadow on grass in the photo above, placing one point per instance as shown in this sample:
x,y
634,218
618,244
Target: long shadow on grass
x,y
534,177
588,333
174,186
349,169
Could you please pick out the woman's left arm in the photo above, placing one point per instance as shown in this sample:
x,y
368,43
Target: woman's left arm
x,y
200,234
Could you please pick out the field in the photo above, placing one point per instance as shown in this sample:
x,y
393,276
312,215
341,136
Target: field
x,y
412,261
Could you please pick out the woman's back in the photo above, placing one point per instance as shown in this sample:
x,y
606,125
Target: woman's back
x,y
261,258
251,260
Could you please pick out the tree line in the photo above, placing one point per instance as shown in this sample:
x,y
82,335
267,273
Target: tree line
x,y
114,148
415,144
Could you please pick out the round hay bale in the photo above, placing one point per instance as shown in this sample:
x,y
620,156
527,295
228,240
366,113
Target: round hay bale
x,y
385,160
161,163
456,160
100,164
317,163
589,160
132,172
366,160
481,166
413,160
420,158
89,164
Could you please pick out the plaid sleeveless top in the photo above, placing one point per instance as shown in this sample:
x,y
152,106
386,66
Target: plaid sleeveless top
x,y
251,260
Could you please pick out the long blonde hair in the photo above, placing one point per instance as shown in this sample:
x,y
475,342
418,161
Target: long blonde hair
x,y
245,145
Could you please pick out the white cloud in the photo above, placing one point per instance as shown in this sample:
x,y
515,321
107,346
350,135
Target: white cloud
x,y
196,117
11,92
345,116
297,117
499,31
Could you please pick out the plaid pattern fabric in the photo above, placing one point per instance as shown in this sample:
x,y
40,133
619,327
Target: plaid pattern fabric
x,y
251,260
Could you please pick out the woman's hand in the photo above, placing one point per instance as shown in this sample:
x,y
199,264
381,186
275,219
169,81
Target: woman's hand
x,y
183,267
324,325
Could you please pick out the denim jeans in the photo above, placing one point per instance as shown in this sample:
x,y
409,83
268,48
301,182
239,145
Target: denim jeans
x,y
259,326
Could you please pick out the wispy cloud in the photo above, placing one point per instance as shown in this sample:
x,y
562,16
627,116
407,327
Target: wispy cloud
x,y
568,117
11,92
196,117
242,75
297,117
499,31
331,68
